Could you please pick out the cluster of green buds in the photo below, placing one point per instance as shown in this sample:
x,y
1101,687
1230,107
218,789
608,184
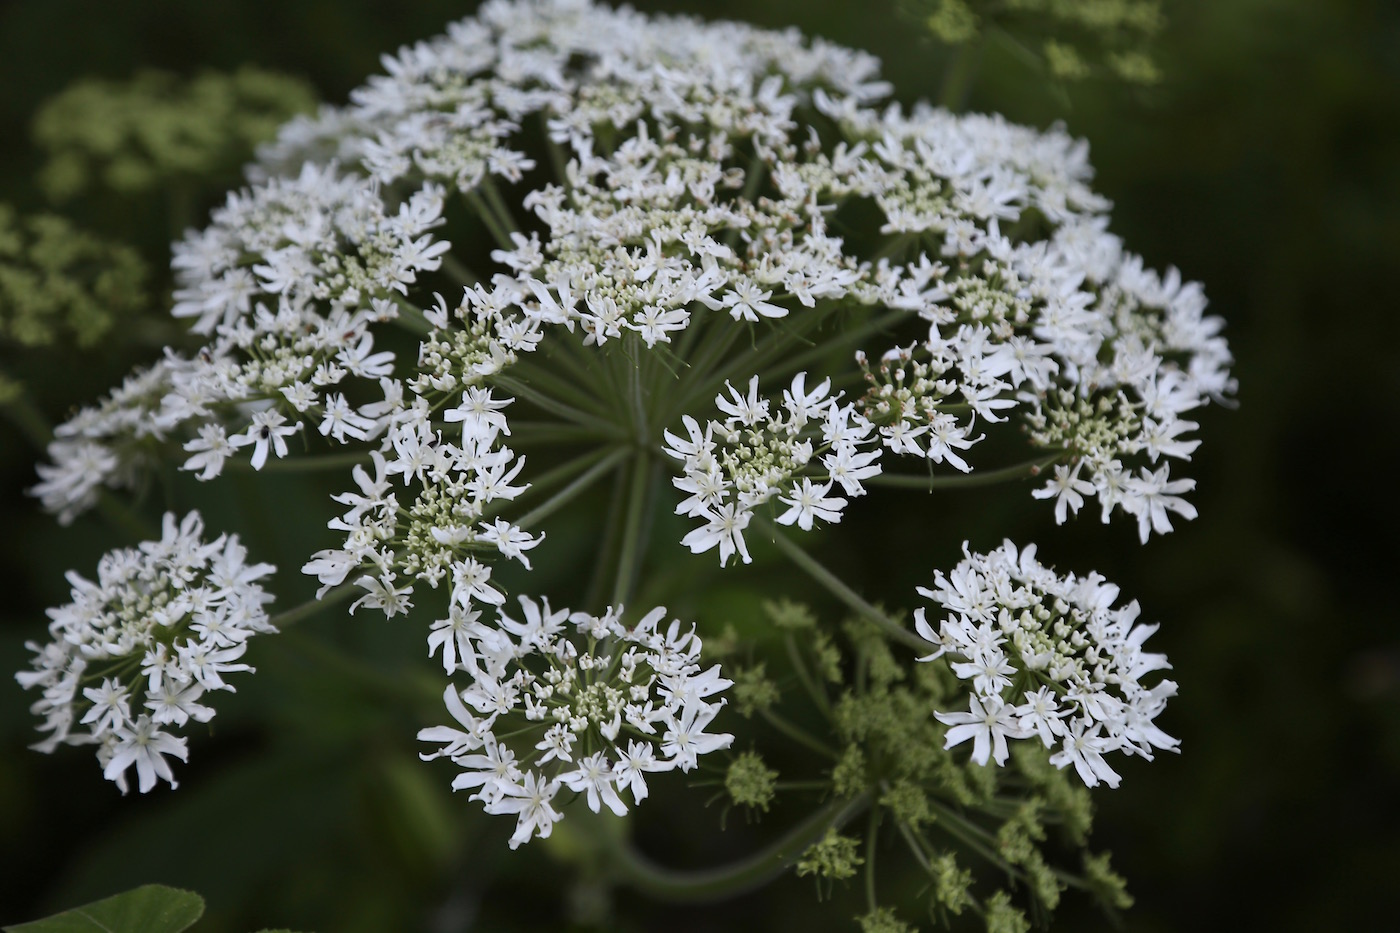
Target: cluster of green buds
x,y
1071,39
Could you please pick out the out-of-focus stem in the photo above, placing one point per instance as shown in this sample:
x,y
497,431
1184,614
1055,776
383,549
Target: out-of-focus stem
x,y
1027,470
957,80
570,492
797,734
311,607
630,557
635,869
840,590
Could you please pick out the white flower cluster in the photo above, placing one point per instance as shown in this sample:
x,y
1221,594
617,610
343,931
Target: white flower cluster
x,y
135,652
698,169
676,207
1048,657
737,464
445,523
83,461
562,700
286,282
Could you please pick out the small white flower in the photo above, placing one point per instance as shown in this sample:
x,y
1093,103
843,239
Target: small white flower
x,y
172,618
988,723
809,502
269,431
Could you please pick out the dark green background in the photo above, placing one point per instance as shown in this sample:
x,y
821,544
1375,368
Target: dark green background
x,y
1267,166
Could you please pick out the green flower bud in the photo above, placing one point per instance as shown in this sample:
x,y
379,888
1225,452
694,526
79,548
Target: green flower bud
x,y
753,691
883,920
834,858
1001,917
750,782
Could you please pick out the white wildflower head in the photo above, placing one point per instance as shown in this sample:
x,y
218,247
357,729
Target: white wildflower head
x,y
796,451
564,243
682,205
136,653
1048,658
562,703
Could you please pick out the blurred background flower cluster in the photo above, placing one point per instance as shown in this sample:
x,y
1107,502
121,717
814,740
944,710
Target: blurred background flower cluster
x,y
1255,144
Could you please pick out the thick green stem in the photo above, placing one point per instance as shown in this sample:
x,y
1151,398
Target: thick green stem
x,y
125,518
308,464
710,369
914,847
957,80
312,606
411,318
641,429
552,433
554,406
699,317
608,547
558,158
553,477
30,422
971,835
630,558
872,833
798,734
570,492
845,338
460,272
532,373
636,870
498,204
394,686
809,683
753,180
840,590
1027,470
785,332
493,226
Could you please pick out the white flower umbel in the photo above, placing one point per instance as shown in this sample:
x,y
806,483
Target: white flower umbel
x,y
760,451
562,701
698,172
652,213
286,283
1048,658
135,653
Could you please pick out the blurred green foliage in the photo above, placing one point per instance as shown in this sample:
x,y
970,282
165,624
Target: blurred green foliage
x,y
158,129
1263,163
59,284
1070,40
151,908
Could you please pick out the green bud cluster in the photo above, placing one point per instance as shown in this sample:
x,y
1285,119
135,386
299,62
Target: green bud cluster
x,y
750,782
1108,886
60,284
1001,917
834,858
952,885
752,692
136,135
892,749
1079,38
883,920
789,616
908,803
1097,428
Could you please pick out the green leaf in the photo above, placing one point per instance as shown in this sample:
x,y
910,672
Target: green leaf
x,y
151,908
